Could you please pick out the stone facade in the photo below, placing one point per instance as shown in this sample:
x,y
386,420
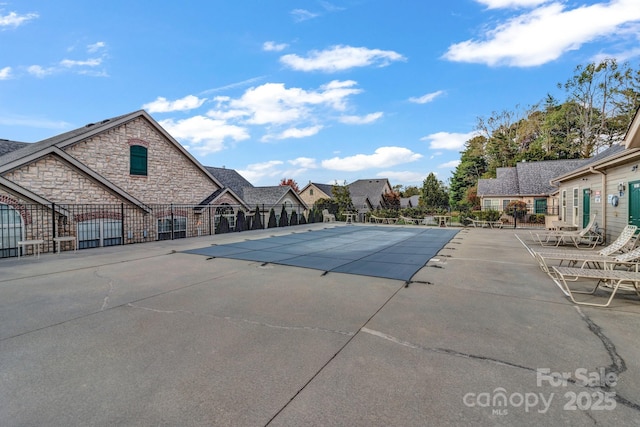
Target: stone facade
x,y
171,176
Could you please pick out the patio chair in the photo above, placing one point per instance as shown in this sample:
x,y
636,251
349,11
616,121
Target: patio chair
x,y
614,279
328,217
586,260
408,220
576,238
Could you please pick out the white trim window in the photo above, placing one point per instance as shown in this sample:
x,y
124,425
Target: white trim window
x,y
179,227
491,204
98,232
563,206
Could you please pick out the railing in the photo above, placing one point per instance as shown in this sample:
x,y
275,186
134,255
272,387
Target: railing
x,y
94,226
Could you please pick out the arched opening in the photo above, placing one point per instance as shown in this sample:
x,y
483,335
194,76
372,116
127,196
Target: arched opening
x,y
11,231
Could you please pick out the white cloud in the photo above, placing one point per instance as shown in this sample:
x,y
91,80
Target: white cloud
x,y
95,47
426,98
340,58
502,4
39,71
274,104
257,171
70,63
271,46
382,157
448,141
15,20
295,133
162,105
5,73
300,15
360,120
304,163
535,38
449,165
402,176
204,135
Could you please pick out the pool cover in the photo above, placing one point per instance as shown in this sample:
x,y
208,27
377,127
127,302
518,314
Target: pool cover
x,y
389,252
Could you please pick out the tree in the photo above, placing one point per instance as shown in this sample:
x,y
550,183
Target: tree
x,y
272,219
256,224
391,200
294,218
472,166
410,190
434,193
284,218
342,197
291,183
241,222
223,225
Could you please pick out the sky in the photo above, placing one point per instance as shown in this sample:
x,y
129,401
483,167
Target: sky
x,y
317,91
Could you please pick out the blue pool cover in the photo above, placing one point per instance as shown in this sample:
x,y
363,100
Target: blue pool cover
x,y
389,252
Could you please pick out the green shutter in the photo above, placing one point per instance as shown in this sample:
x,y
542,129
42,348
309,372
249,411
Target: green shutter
x,y
138,159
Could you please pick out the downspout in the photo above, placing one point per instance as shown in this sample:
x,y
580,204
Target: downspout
x,y
602,199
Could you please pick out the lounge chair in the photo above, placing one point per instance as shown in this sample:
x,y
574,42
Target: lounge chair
x,y
594,260
408,220
576,238
615,279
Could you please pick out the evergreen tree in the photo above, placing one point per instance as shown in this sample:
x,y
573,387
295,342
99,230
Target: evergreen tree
x,y
256,224
294,218
223,225
284,218
241,222
434,194
272,219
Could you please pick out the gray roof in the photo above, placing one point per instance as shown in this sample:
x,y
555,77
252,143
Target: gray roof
x,y
271,195
527,178
33,148
371,188
231,179
7,146
325,188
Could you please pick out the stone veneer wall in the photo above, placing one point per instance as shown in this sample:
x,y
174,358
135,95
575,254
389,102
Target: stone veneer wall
x,y
54,180
171,177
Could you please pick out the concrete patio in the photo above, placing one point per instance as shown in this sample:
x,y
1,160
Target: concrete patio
x,y
149,335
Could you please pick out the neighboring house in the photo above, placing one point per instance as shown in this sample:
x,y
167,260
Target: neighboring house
x,y
608,186
121,180
313,191
265,197
529,182
409,202
372,190
368,194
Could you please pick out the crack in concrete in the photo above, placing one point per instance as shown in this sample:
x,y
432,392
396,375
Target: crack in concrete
x,y
247,321
618,365
105,301
620,399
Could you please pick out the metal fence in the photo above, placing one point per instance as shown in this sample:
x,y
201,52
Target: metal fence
x,y
79,226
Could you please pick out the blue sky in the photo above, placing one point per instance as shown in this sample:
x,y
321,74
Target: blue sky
x,y
318,91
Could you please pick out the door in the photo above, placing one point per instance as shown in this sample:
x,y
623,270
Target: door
x,y
634,203
586,207
10,231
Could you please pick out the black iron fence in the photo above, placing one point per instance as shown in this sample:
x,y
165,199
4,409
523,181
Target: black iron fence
x,y
79,226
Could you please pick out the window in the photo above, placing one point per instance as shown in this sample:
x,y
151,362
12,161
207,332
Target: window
x,y
10,231
99,232
563,213
311,191
505,203
226,211
490,204
165,229
138,160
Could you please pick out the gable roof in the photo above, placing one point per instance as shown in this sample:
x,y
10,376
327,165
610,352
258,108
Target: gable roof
x,y
373,189
527,178
270,195
32,151
7,146
230,178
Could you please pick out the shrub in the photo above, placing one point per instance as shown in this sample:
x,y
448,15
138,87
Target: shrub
x,y
223,225
256,224
272,219
241,222
294,218
516,208
284,218
302,219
